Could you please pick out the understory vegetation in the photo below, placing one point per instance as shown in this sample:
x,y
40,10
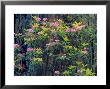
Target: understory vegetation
x,y
55,44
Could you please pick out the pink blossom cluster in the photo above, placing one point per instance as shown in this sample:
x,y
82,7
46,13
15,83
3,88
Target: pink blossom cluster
x,y
38,19
57,72
75,29
85,50
21,66
70,30
16,45
45,19
80,27
20,54
55,24
30,49
30,30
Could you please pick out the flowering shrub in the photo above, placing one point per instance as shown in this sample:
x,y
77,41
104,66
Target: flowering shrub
x,y
63,45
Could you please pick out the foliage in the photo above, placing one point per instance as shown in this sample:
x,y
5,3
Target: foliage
x,y
55,45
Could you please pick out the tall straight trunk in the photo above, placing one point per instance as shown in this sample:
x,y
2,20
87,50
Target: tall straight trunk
x,y
46,67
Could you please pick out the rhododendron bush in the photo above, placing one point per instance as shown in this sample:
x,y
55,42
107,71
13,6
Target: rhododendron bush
x,y
55,44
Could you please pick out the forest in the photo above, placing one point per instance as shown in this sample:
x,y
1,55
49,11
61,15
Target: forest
x,y
55,44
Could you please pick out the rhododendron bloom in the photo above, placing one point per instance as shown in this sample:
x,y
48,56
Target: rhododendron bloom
x,y
48,44
30,30
40,33
16,45
20,54
45,19
57,72
30,49
79,71
38,19
55,24
85,50
21,66
80,27
71,30
57,40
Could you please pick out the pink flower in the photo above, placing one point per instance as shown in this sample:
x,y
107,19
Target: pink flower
x,y
80,27
55,24
57,40
85,50
57,72
21,66
70,30
16,45
30,49
45,19
30,30
79,71
20,54
38,19
48,44
40,33
73,30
